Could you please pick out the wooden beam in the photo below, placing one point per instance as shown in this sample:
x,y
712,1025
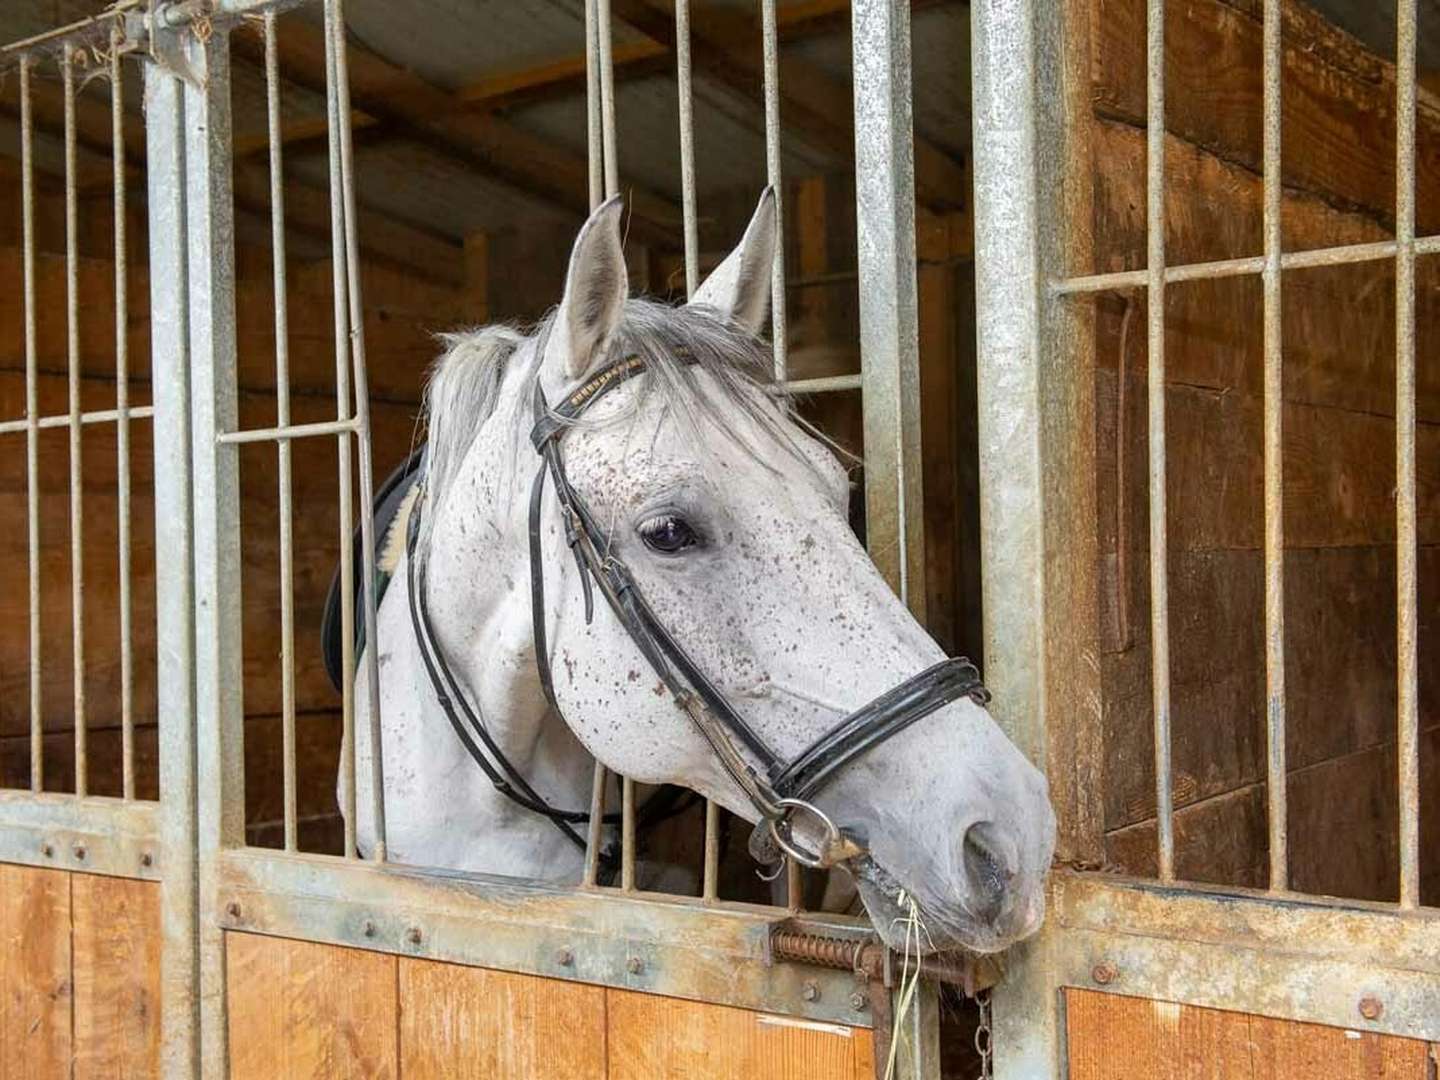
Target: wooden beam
x,y
533,167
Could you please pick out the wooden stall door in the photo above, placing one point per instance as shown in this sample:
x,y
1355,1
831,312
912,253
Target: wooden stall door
x,y
1112,1037
302,1009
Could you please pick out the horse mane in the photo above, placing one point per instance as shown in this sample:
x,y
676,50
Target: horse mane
x,y
678,345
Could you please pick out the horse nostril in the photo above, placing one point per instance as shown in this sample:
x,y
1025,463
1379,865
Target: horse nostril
x,y
989,868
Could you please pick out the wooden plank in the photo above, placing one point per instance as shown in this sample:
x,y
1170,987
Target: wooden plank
x,y
460,1022
1122,1038
35,989
297,1008
651,1036
117,976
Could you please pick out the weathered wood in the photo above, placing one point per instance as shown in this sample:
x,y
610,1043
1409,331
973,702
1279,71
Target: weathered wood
x,y
651,1036
1112,1037
301,1009
117,976
35,986
459,1022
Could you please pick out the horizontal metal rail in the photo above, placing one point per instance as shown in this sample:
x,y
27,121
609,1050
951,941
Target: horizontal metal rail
x,y
99,416
96,834
827,384
291,431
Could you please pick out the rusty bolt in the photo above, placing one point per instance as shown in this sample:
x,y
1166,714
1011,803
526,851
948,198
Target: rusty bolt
x,y
369,928
413,935
859,1002
146,859
1371,1007
47,850
1104,974
635,965
233,909
79,850
564,957
810,992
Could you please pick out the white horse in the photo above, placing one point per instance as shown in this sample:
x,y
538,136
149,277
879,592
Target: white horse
x,y
732,519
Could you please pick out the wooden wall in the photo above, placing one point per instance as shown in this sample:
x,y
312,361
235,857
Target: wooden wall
x,y
302,1009
79,975
1339,452
1123,1038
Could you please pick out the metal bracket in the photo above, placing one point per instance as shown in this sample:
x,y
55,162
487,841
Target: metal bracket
x,y
163,26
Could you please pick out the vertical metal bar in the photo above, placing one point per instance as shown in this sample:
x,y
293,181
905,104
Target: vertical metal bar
x,y
595,834
77,474
32,416
794,886
282,412
1407,594
687,147
889,320
362,426
1274,470
174,596
773,177
607,97
627,834
1159,580
342,446
219,675
595,139
710,879
122,411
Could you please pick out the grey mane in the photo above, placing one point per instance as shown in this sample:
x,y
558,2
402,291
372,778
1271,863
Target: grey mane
x,y
465,384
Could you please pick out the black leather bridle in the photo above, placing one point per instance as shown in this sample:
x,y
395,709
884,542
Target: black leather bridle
x,y
782,792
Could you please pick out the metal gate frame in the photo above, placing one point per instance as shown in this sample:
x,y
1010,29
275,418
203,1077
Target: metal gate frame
x,y
1272,952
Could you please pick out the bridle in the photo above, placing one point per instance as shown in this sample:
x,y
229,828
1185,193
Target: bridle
x,y
782,792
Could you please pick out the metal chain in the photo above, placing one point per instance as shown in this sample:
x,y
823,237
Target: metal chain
x,y
984,1036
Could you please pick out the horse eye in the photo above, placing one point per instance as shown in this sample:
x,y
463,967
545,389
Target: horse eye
x,y
668,534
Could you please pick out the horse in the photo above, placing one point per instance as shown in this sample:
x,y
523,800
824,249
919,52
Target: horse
x,y
663,578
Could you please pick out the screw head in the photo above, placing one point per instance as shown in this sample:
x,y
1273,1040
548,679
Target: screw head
x,y
79,850
233,909
413,935
565,958
1371,1007
369,928
859,1002
48,850
146,859
810,992
635,965
1104,974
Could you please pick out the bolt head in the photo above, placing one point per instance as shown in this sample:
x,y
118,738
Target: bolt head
x,y
79,850
1371,1007
413,935
233,909
635,965
369,928
810,992
859,1002
146,859
565,958
47,850
1104,974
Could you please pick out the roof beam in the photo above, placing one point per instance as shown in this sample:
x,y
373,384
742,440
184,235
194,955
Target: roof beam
x,y
533,167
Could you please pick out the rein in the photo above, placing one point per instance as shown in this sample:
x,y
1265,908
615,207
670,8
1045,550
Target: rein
x,y
782,792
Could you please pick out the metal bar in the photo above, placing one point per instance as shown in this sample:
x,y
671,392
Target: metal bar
x,y
174,592
607,97
1155,309
219,676
824,385
286,432
32,408
98,416
794,887
595,833
343,414
595,139
122,410
627,834
773,177
686,100
1406,536
77,472
282,419
889,320
97,835
710,879
362,427
1274,397
116,11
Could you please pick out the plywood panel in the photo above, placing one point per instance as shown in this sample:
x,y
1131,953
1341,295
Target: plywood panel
x,y
35,998
1122,1038
652,1037
302,1009
461,1022
116,926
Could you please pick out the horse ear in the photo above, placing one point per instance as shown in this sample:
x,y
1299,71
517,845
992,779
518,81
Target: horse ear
x,y
595,289
740,286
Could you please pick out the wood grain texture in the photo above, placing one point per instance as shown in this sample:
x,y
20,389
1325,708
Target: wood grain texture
x,y
652,1037
35,988
306,1010
116,943
1123,1038
461,1022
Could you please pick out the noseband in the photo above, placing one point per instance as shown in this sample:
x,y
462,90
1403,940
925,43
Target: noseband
x,y
782,792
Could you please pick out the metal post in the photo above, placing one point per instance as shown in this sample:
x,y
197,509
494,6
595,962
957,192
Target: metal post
x,y
77,468
770,53
889,325
122,410
32,430
209,219
174,596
